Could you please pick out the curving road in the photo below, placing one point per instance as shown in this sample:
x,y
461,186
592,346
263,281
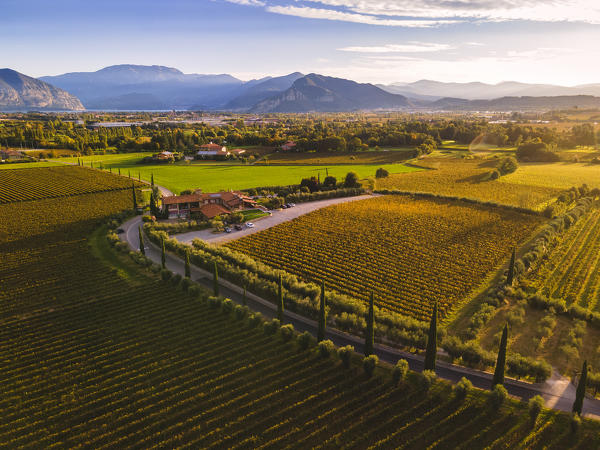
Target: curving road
x,y
558,392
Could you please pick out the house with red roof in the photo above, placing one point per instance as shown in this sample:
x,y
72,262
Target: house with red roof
x,y
212,151
207,205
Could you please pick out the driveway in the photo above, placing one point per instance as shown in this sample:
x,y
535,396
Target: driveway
x,y
276,218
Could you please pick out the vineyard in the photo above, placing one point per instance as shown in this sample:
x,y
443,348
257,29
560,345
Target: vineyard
x,y
572,271
92,357
464,178
409,252
52,182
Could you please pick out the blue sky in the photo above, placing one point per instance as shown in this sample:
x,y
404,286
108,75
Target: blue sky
x,y
382,41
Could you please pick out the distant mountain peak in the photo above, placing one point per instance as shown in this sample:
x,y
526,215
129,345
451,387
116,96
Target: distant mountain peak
x,y
315,92
18,91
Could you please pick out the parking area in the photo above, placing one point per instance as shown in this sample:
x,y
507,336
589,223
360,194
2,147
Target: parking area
x,y
276,218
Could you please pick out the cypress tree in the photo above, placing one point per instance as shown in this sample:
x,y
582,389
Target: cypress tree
x,y
163,254
188,270
511,268
580,394
139,177
141,238
119,169
322,315
92,164
134,198
129,174
216,281
280,306
370,331
244,302
431,351
152,180
501,361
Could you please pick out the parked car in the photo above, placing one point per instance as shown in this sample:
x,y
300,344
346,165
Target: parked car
x,y
227,230
249,225
238,227
291,205
284,206
120,231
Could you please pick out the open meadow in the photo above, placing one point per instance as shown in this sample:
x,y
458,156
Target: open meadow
x,y
409,252
98,352
212,177
465,178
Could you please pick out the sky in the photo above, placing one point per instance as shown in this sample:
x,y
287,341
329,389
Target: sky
x,y
377,41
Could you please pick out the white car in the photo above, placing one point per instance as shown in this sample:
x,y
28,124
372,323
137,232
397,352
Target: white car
x,y
249,225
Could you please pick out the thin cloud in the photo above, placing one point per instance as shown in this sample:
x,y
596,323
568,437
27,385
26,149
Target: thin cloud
x,y
587,11
409,47
330,14
247,2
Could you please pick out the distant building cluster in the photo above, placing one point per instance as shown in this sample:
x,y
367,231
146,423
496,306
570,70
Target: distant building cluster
x,y
216,151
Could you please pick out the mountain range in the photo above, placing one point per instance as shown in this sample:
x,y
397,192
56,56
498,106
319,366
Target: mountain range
x,y
135,87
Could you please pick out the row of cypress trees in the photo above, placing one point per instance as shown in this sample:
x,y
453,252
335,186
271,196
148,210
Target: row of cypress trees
x,y
431,348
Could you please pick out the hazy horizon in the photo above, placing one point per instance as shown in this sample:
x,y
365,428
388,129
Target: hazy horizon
x,y
376,41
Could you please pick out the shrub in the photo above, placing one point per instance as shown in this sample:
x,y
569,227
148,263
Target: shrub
x,y
536,152
536,404
381,173
325,348
165,274
462,388
214,302
272,326
399,372
186,283
176,279
345,354
254,320
369,364
498,395
227,306
287,332
305,340
428,377
507,165
240,312
194,291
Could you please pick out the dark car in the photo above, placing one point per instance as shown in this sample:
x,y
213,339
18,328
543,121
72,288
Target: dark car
x,y
238,227
120,231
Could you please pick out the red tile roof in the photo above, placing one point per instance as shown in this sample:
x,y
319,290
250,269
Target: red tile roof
x,y
211,147
213,210
173,200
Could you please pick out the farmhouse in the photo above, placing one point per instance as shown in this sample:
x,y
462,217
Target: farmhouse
x,y
288,146
10,154
208,205
211,151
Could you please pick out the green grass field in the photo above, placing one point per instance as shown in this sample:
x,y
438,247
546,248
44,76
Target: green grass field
x,y
212,177
29,165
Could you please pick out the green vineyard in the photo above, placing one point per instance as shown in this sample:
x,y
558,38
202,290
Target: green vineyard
x,y
101,356
410,252
572,271
51,182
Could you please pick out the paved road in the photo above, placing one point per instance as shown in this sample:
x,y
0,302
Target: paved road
x,y
451,372
276,218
